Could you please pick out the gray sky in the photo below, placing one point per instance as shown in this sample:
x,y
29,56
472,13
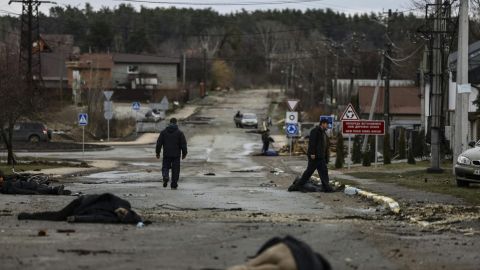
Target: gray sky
x,y
347,6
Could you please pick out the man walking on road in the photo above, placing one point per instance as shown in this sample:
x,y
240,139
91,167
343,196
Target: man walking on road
x,y
174,145
317,155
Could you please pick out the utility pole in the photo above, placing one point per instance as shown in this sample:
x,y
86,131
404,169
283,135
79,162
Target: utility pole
x,y
436,70
422,98
30,47
463,88
337,52
205,67
325,83
388,69
184,70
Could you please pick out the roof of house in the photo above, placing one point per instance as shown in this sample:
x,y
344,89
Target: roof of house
x,y
59,43
473,57
403,100
144,59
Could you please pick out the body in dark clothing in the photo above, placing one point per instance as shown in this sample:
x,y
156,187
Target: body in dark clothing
x,y
174,145
102,208
318,156
12,185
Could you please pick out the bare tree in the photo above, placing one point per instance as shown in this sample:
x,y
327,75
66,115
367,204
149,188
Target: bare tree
x,y
15,101
270,35
212,40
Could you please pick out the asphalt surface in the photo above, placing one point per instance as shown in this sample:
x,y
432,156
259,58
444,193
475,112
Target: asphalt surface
x,y
228,204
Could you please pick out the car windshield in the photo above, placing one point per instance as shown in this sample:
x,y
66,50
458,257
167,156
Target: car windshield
x,y
249,116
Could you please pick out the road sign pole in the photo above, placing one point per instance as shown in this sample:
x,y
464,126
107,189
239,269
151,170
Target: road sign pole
x,y
83,141
349,152
376,150
136,123
291,143
108,130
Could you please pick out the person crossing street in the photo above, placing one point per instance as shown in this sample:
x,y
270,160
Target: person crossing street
x,y
317,155
174,145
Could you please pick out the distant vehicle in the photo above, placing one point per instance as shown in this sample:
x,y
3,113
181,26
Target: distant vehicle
x,y
153,116
33,132
249,120
467,169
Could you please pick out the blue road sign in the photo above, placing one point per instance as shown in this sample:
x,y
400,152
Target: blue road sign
x,y
292,129
136,106
329,119
82,119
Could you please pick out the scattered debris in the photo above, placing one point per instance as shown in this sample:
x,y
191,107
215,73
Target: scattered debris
x,y
83,252
65,231
42,233
277,171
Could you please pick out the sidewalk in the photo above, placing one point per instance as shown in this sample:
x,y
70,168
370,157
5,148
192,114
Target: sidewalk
x,y
64,171
396,191
151,138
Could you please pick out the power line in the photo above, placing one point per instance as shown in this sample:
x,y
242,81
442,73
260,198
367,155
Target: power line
x,y
282,2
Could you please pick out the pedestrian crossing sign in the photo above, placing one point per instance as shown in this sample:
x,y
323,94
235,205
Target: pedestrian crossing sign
x,y
82,119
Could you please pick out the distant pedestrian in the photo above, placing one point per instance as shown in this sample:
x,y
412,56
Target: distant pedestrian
x,y
266,140
174,145
317,155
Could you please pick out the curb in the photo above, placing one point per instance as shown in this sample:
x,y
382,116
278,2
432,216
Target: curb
x,y
388,202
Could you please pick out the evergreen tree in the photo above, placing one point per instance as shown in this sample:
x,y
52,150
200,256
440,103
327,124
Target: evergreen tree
x,y
401,145
357,150
387,153
340,160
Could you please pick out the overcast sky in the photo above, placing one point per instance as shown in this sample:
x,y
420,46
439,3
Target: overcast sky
x,y
347,6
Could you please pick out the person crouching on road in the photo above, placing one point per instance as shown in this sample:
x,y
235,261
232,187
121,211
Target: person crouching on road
x,y
317,155
174,145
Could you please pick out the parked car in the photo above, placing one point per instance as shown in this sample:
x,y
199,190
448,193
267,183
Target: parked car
x,y
249,120
153,116
32,132
467,168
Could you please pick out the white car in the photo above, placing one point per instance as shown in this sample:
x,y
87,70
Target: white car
x,y
249,120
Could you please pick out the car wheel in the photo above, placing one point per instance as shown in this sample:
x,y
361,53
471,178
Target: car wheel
x,y
256,126
461,183
34,139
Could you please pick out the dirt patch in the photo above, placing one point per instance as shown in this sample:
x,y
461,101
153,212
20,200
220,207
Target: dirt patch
x,y
55,147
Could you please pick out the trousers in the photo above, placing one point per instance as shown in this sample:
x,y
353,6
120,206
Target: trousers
x,y
316,164
171,163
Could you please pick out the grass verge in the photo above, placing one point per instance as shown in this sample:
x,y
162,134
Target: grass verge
x,y
416,177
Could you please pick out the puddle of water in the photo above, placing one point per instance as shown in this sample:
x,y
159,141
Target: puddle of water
x,y
145,164
116,175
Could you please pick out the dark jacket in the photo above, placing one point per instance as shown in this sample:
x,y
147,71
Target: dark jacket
x,y
90,208
173,142
318,144
305,257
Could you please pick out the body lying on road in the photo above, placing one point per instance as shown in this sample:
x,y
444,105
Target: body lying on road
x,y
17,184
286,253
100,208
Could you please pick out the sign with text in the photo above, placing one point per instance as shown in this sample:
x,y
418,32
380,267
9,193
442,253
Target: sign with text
x,y
363,127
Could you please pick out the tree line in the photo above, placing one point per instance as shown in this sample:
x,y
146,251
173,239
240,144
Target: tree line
x,y
256,45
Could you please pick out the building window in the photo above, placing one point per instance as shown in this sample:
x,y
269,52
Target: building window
x,y
132,69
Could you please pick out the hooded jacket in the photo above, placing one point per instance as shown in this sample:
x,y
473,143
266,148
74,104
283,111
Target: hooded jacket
x,y
173,142
318,144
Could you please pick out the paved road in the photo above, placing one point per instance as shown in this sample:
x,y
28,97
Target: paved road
x,y
219,219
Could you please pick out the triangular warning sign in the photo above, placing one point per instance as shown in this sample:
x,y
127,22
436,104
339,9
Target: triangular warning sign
x,y
292,104
349,114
